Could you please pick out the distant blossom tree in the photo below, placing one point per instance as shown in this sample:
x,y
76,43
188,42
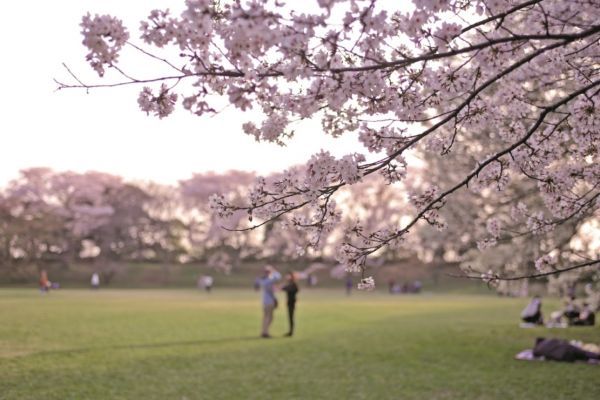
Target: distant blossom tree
x,y
68,217
222,249
433,75
491,234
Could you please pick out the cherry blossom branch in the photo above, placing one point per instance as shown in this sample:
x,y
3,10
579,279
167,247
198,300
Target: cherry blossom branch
x,y
487,277
147,53
501,15
481,166
565,38
436,203
467,101
500,85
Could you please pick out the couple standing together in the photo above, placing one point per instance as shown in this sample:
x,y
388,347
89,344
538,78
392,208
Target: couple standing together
x,y
269,301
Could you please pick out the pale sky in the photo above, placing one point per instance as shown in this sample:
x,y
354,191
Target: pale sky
x,y
104,130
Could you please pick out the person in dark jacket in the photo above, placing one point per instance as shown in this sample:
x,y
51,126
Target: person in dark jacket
x,y
533,312
349,285
561,350
291,289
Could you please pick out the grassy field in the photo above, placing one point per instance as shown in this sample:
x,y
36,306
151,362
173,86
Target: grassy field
x,y
176,344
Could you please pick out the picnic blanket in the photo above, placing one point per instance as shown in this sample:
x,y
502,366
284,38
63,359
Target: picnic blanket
x,y
549,325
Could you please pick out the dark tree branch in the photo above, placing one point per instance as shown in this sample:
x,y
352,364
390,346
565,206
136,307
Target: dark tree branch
x,y
494,277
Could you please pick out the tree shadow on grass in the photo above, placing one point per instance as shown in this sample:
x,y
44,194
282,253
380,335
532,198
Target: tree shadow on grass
x,y
216,341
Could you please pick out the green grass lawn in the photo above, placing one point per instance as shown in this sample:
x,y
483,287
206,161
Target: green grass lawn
x,y
175,344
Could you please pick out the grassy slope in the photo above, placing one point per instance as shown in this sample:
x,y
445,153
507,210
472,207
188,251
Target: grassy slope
x,y
151,344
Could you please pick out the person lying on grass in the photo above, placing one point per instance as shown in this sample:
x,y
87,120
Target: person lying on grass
x,y
561,350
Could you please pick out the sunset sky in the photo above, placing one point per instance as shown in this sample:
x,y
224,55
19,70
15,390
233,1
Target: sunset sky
x,y
104,130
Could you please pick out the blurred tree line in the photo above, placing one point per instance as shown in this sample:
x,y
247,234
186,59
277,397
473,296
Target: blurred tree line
x,y
69,218
66,219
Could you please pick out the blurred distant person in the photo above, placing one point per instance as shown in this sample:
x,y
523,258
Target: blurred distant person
x,y
556,320
44,281
257,284
391,285
571,290
291,289
269,301
95,281
417,286
532,313
586,316
208,281
349,286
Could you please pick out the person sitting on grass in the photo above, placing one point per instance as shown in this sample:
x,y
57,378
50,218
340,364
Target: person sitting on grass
x,y
561,350
556,320
586,317
571,311
269,301
532,314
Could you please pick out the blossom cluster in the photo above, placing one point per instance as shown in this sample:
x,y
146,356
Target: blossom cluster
x,y
545,262
104,36
366,284
160,105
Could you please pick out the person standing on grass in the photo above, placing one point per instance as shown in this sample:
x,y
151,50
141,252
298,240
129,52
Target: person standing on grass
x,y
349,285
44,281
208,283
291,289
95,281
269,301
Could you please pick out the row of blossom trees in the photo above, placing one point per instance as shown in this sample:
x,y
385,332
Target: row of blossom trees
x,y
68,218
